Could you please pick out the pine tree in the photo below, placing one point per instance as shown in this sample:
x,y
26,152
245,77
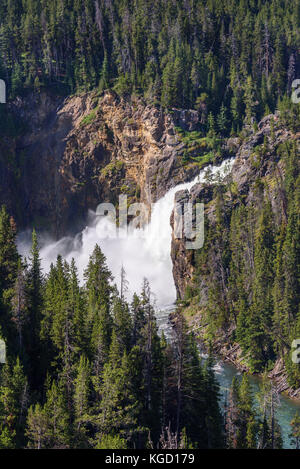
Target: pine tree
x,y
14,397
57,418
20,305
37,427
222,120
194,393
77,308
34,293
118,407
98,282
241,425
81,401
122,317
249,100
213,419
270,433
295,434
104,77
138,318
260,343
247,429
211,125
8,269
232,415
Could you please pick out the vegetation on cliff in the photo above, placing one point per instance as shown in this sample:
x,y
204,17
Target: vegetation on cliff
x,y
246,276
227,59
85,369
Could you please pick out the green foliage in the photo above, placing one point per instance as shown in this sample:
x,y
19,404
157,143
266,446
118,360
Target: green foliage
x,y
226,59
246,427
112,442
250,265
112,168
202,150
13,404
88,119
99,375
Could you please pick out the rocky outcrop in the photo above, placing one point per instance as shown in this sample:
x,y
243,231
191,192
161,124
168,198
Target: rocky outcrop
x,y
256,159
257,174
77,152
182,258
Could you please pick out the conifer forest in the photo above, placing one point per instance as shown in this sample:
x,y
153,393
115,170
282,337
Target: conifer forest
x,y
122,336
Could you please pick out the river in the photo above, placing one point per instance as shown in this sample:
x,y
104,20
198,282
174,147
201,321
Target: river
x,y
146,253
225,372
284,413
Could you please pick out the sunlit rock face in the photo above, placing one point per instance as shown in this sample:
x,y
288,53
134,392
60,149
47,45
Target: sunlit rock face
x,y
74,153
144,252
247,169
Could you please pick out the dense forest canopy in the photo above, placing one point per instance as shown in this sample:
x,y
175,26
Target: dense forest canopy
x,y
250,264
230,59
86,367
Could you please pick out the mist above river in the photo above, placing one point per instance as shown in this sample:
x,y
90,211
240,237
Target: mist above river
x,y
143,252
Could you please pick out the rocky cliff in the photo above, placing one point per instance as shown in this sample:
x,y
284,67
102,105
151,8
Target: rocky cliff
x,y
257,177
257,174
72,154
75,153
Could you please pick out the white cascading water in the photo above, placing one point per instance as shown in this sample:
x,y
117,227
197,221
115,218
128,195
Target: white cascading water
x,y
143,253
145,256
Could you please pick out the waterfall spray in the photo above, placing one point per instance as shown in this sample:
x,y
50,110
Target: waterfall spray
x,y
145,254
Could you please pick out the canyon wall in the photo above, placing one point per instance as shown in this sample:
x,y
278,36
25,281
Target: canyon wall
x,y
253,178
75,153
204,282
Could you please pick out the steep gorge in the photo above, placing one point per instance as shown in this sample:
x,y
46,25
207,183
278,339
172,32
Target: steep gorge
x,y
257,175
87,149
75,153
207,282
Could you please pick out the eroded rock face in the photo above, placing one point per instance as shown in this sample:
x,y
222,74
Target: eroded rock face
x,y
183,258
249,168
257,175
78,152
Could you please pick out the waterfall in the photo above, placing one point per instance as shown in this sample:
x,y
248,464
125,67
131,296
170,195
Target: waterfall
x,y
143,252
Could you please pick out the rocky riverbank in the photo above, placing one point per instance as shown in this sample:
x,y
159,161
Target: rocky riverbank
x,y
204,283
70,154
231,352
